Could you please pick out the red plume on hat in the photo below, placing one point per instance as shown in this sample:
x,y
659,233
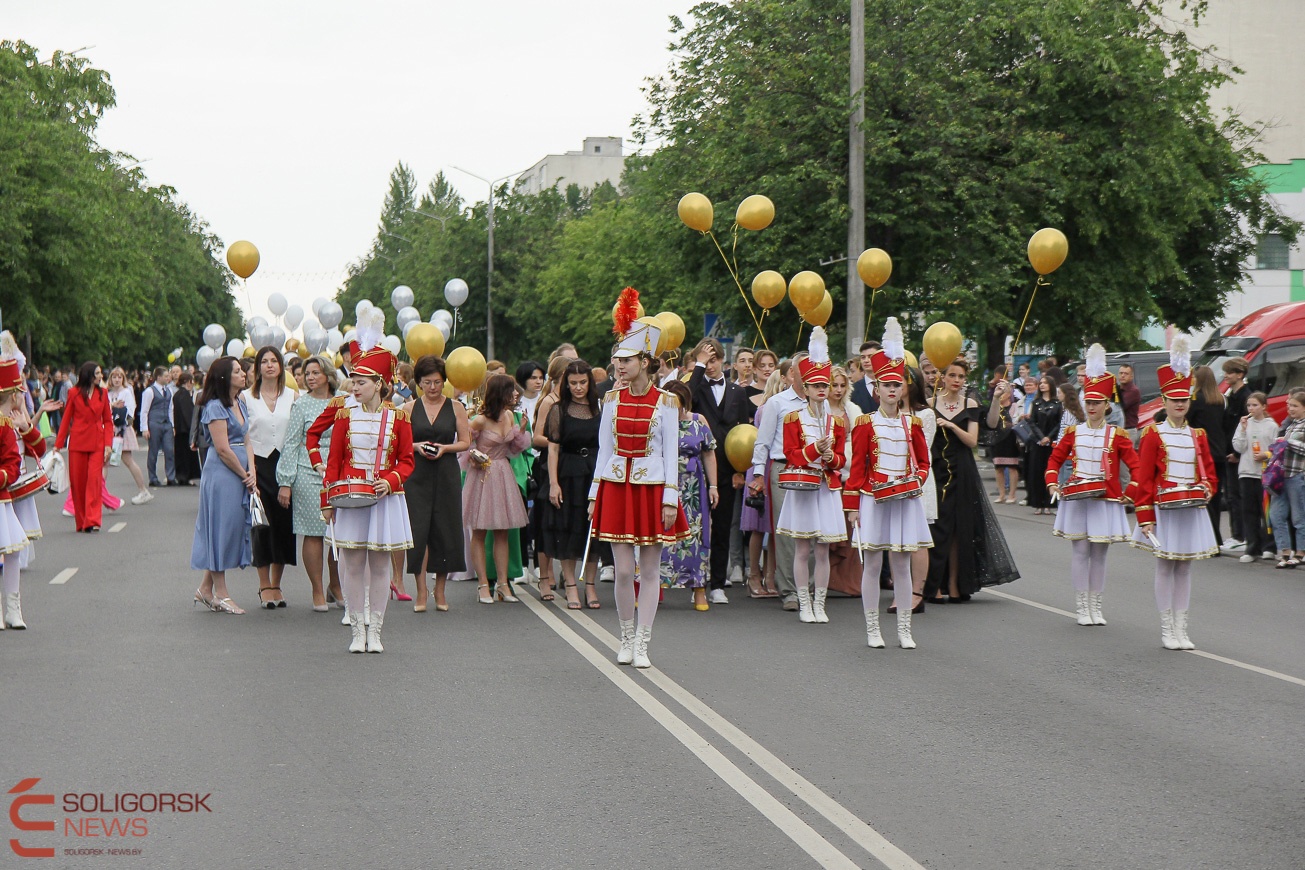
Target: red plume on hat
x,y
627,311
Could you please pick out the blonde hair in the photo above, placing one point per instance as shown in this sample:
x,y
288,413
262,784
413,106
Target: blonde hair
x,y
108,381
775,385
839,371
332,376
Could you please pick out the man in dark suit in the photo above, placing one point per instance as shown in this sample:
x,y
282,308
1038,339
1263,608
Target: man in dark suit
x,y
863,393
724,404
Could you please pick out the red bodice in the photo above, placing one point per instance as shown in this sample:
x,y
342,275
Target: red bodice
x,y
634,419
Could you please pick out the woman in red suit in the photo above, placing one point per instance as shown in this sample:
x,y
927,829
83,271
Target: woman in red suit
x,y
634,497
87,431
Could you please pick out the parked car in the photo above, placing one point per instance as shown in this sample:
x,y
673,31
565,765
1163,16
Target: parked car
x,y
1145,363
1273,342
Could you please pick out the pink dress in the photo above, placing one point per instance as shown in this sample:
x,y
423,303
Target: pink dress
x,y
491,498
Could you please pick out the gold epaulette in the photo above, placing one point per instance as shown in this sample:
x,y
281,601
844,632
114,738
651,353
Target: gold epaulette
x,y
840,422
915,421
611,396
342,413
1070,428
793,417
670,400
336,402
862,420
400,414
6,422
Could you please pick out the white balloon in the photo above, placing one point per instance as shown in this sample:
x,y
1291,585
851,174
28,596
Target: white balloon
x,y
350,337
331,314
254,323
334,339
236,347
360,308
261,337
277,304
444,328
317,305
294,315
392,344
215,336
401,297
310,323
205,356
456,292
316,340
442,316
407,315
407,327
278,337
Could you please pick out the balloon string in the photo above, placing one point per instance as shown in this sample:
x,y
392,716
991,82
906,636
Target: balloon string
x,y
758,337
801,323
871,315
735,275
1041,282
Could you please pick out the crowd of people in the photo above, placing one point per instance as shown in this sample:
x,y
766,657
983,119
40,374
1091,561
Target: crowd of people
x,y
570,472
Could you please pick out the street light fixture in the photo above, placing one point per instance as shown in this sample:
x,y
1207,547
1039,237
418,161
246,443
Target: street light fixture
x,y
489,272
443,219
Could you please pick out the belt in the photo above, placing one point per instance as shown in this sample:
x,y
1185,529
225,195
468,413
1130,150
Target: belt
x,y
583,451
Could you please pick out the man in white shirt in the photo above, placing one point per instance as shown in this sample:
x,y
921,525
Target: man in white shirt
x,y
770,448
158,426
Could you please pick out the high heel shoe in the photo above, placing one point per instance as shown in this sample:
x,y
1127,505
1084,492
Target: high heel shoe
x,y
572,605
592,603
485,597
264,603
503,592
226,605
396,595
200,599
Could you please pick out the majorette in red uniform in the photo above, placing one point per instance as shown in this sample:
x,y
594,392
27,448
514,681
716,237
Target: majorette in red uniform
x,y
15,535
1175,479
635,487
889,468
373,448
1092,515
812,513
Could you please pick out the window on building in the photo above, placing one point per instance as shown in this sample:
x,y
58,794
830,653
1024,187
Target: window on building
x,y
1271,252
598,149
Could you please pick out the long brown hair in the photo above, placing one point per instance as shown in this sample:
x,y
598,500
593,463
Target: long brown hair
x,y
1205,386
258,370
499,390
1071,402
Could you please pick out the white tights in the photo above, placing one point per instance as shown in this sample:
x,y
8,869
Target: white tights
x,y
801,571
9,581
650,586
355,565
1173,584
900,566
1087,566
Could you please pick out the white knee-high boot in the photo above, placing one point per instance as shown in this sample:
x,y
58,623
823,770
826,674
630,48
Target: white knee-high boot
x,y
642,635
818,606
805,613
374,633
904,639
873,638
626,654
1168,639
1094,608
358,624
1180,630
14,610
1081,606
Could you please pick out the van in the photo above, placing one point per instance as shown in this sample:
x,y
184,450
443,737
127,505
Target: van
x,y
1273,342
1146,367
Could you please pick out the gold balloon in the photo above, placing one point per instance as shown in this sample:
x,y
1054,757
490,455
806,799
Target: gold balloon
x,y
738,446
338,360
242,257
172,357
806,290
291,382
819,316
346,329
768,288
449,390
466,368
696,212
755,213
675,328
942,344
303,351
875,267
292,344
639,311
249,352
912,360
663,332
1047,250
424,339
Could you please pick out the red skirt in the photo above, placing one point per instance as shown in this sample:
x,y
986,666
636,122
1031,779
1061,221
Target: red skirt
x,y
631,513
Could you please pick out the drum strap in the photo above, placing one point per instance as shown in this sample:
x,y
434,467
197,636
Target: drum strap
x,y
380,440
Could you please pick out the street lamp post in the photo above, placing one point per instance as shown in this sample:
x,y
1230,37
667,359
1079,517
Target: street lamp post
x,y
489,271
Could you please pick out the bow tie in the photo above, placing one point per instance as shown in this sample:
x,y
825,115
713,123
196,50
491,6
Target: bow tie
x,y
719,382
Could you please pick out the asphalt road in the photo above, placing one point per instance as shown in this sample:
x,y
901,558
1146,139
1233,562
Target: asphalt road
x,y
501,736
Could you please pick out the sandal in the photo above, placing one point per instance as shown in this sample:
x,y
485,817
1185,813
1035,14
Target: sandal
x,y
572,605
1286,563
546,594
756,588
592,603
266,605
484,595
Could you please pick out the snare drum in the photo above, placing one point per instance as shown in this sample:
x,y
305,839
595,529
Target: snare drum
x,y
904,487
1184,495
29,484
351,493
800,478
1083,487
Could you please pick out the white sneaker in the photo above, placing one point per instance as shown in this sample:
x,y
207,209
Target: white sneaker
x,y
1232,545
1246,559
142,497
607,574
1268,556
717,596
66,512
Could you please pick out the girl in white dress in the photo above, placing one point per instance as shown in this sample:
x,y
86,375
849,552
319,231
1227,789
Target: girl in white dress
x,y
813,450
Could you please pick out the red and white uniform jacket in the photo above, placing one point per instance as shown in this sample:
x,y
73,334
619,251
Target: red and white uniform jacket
x,y
802,431
11,457
324,422
884,451
1170,456
355,438
1095,453
639,442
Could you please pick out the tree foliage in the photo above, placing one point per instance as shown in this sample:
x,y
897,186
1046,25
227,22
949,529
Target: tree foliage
x,y
94,263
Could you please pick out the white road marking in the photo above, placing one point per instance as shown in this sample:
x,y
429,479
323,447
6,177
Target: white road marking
x,y
806,837
117,527
1277,675
844,819
63,576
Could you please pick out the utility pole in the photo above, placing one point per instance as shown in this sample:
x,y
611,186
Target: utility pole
x,y
856,184
489,283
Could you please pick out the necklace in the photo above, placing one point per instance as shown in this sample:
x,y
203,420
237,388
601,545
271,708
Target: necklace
x,y
952,407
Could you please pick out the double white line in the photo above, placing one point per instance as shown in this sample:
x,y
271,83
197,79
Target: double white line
x,y
825,853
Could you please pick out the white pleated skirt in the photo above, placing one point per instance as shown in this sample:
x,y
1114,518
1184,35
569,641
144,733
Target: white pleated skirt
x,y
812,514
1185,534
899,526
1092,519
382,526
13,537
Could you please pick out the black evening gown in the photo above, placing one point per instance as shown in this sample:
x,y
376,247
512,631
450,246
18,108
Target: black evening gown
x,y
965,516
566,529
434,495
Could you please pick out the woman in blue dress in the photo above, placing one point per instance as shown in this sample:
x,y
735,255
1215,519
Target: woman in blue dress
x,y
685,563
222,539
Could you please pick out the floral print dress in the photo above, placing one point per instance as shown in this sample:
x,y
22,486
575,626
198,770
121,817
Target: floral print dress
x,y
686,562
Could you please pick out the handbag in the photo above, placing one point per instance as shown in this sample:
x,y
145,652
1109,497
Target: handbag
x,y
1275,472
1025,431
257,513
56,470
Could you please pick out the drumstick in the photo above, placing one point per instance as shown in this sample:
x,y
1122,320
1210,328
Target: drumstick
x,y
1155,542
856,541
584,561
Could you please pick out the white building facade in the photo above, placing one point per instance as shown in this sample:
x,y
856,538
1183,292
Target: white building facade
x,y
601,159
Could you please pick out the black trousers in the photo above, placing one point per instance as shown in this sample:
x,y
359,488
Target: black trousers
x,y
722,523
1232,495
1251,494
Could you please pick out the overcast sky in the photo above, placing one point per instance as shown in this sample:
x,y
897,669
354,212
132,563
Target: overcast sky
x,y
279,122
